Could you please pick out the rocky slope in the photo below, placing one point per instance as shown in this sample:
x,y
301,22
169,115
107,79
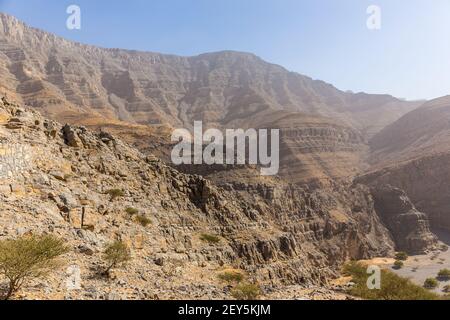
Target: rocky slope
x,y
221,88
414,154
279,234
86,85
409,227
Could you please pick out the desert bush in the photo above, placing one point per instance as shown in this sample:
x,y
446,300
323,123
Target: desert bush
x,y
210,238
132,211
246,291
115,193
115,255
28,258
143,220
398,264
393,287
430,283
231,276
446,288
402,256
444,274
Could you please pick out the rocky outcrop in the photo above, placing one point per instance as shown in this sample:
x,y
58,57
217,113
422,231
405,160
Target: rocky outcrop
x,y
278,233
410,228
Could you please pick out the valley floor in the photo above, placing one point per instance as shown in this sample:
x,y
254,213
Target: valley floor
x,y
418,268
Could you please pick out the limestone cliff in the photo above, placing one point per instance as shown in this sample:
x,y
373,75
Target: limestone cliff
x,y
278,234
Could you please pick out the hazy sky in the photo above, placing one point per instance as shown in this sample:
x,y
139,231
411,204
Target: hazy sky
x,y
325,39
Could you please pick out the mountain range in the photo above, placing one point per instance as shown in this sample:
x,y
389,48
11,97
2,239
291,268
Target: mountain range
x,y
361,175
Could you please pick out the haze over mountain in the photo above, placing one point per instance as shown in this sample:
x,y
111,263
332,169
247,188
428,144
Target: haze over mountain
x,y
297,228
414,154
83,84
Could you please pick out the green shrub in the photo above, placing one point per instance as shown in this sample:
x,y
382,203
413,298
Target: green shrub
x,y
430,283
132,211
116,254
403,256
393,287
446,289
444,274
398,264
28,258
115,193
246,291
143,220
210,238
231,276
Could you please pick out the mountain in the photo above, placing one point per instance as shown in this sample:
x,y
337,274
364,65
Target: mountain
x,y
56,179
222,89
414,154
151,93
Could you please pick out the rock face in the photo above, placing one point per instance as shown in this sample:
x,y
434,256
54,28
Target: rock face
x,y
221,89
413,154
278,233
409,227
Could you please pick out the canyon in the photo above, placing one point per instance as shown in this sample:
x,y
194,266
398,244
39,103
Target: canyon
x,y
361,175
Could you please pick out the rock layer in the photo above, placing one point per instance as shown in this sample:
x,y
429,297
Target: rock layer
x,y
410,228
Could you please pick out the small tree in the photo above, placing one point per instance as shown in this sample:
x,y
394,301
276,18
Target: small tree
x,y
116,254
115,193
132,211
28,258
231,276
246,291
398,264
212,239
143,220
444,274
430,283
403,256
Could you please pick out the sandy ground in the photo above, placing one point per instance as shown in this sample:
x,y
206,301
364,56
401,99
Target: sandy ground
x,y
420,267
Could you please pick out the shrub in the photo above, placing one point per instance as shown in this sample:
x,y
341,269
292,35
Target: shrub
x,y
398,264
28,258
231,276
132,211
116,254
115,193
430,283
402,256
446,289
393,287
444,274
246,291
210,238
143,220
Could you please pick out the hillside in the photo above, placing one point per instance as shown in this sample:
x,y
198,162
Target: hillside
x,y
414,154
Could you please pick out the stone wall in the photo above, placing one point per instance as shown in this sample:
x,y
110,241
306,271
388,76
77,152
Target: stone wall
x,y
14,159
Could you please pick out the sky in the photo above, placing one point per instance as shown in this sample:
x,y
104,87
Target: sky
x,y
409,57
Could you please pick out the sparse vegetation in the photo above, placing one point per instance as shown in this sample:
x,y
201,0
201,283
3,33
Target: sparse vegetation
x,y
444,275
132,211
398,264
28,258
143,220
393,287
116,254
246,291
231,276
212,239
430,283
115,193
446,289
402,256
